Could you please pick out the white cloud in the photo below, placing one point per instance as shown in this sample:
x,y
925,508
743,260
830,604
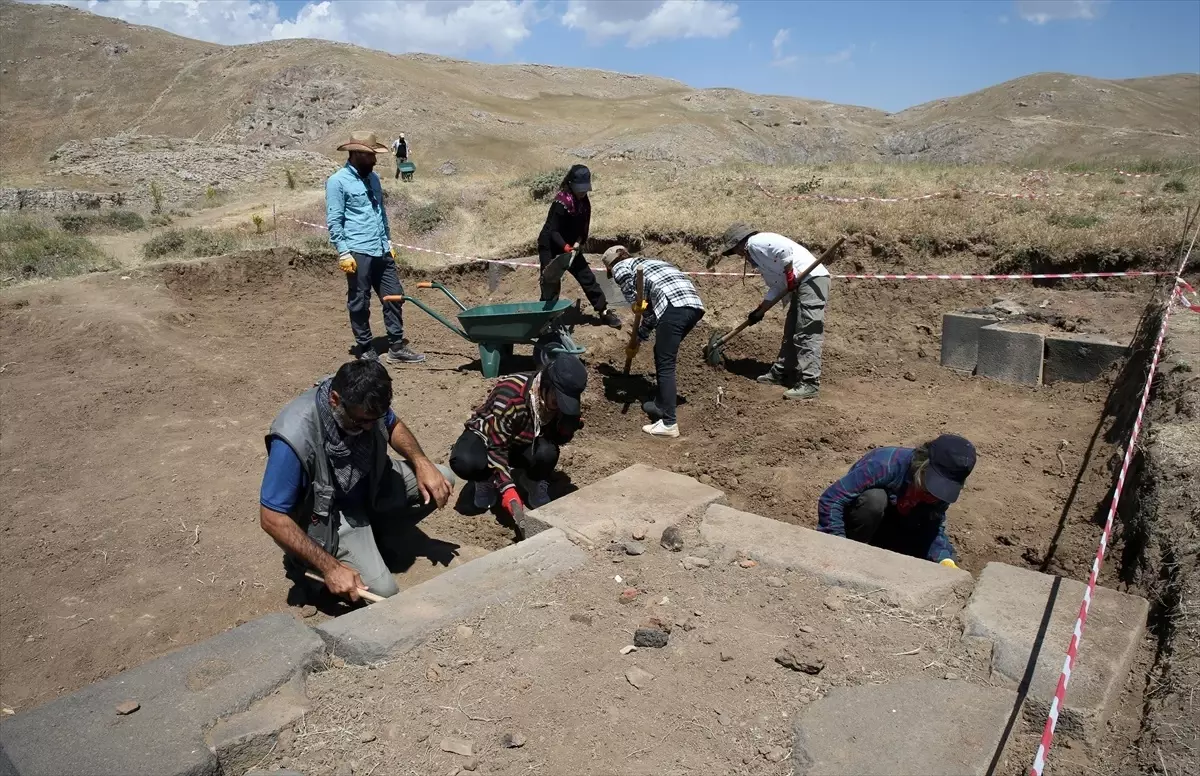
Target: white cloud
x,y
438,26
642,22
778,58
1043,11
840,57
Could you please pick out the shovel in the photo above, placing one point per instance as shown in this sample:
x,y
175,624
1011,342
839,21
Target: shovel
x,y
363,593
713,350
639,307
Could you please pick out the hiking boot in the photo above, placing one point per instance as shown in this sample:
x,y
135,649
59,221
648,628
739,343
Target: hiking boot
x,y
660,429
539,493
368,354
485,495
803,391
403,354
770,378
652,410
609,318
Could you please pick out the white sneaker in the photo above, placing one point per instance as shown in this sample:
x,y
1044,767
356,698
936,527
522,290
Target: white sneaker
x,y
658,428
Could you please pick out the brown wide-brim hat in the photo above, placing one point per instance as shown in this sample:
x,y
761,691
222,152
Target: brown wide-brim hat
x,y
364,141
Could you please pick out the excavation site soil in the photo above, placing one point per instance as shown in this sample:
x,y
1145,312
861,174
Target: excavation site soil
x,y
136,458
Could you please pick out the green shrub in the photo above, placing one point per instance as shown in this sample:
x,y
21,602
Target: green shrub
x,y
1175,185
1073,220
31,250
425,218
189,243
808,186
162,219
156,197
258,223
291,178
93,221
542,185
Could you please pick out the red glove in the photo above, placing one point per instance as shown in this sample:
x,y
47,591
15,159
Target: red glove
x,y
511,501
568,249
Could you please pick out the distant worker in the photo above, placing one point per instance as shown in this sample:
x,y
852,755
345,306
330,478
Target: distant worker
x,y
674,308
781,261
400,149
562,239
896,498
358,229
331,494
521,425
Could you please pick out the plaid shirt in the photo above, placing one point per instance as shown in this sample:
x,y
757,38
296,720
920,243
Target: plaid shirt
x,y
509,417
885,468
665,286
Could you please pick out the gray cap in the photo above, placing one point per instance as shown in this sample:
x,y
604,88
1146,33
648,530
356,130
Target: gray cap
x,y
734,236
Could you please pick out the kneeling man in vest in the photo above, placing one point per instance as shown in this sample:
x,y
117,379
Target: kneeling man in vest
x,y
330,485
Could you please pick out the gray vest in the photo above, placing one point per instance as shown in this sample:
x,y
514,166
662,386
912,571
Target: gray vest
x,y
299,425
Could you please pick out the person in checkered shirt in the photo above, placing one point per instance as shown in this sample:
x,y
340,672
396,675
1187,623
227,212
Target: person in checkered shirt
x,y
674,308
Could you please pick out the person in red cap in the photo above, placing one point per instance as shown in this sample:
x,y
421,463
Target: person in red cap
x,y
521,424
561,242
896,498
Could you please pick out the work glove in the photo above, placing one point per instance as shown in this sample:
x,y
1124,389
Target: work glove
x,y
756,315
511,502
347,264
569,249
948,563
387,246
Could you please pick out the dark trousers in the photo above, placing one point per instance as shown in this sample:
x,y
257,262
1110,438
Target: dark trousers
x,y
673,326
378,274
552,281
872,519
469,459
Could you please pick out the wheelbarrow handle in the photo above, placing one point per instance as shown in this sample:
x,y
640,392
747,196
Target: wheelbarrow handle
x,y
424,284
430,311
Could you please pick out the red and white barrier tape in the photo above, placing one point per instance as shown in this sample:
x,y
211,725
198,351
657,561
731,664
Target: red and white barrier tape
x,y
1060,691
1182,286
911,276
934,195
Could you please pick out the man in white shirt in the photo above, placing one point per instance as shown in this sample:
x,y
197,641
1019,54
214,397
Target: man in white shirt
x,y
782,262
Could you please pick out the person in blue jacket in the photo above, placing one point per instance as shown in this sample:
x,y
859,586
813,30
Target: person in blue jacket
x,y
896,498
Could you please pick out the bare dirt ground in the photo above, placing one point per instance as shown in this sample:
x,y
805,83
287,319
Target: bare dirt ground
x,y
135,410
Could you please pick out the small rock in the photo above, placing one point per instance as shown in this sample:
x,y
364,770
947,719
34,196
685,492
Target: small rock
x,y
627,649
775,582
337,662
693,562
747,563
951,676
834,604
664,601
513,740
367,737
584,619
705,479
459,746
634,548
672,539
774,754
922,352
649,637
912,378
726,657
308,611
433,673
463,632
471,764
638,677
806,629
655,622
724,720
128,707
639,534
708,638
1008,306
628,595
789,659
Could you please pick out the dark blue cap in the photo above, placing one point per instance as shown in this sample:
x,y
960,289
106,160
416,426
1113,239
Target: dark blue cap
x,y
951,459
568,375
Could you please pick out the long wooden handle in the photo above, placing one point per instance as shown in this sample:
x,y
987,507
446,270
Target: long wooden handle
x,y
639,297
828,254
363,593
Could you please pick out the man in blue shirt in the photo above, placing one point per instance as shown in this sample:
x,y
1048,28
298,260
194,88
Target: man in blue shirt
x,y
896,498
358,229
331,491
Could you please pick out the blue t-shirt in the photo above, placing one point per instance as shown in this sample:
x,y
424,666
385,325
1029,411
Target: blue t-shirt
x,y
284,481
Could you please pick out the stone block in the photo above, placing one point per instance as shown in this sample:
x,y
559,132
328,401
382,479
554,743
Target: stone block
x,y
960,339
1079,358
1010,354
1009,605
913,583
244,740
916,727
631,498
181,695
411,617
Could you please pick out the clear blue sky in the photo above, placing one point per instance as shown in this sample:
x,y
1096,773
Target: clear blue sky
x,y
883,54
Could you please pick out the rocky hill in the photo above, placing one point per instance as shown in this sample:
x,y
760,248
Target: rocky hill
x,y
70,76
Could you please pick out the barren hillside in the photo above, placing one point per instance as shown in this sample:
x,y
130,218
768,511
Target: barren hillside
x,y
68,75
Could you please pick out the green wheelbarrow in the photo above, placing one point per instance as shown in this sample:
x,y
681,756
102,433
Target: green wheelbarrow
x,y
406,170
495,328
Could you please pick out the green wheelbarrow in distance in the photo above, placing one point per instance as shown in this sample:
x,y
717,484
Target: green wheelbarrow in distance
x,y
406,170
495,328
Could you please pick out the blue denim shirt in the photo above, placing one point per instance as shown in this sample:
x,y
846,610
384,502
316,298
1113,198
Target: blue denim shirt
x,y
886,468
354,213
